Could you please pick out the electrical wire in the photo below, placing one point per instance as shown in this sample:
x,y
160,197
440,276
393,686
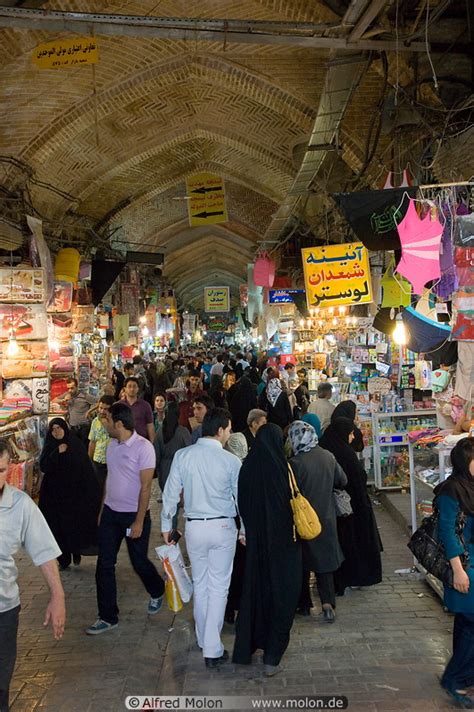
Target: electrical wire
x,y
435,79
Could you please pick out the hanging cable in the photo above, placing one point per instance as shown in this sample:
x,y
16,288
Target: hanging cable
x,y
435,79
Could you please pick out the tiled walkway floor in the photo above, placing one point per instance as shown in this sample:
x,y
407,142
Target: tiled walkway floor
x,y
385,651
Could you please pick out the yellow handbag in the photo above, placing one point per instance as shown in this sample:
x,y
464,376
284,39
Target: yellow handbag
x,y
305,520
396,291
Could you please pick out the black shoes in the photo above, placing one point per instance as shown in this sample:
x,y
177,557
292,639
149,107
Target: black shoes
x,y
303,611
329,615
216,662
76,559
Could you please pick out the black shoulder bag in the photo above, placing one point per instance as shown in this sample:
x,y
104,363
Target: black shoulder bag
x,y
429,551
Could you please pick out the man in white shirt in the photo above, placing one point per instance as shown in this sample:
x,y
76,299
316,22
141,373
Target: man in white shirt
x,y
217,368
242,361
322,406
23,525
208,476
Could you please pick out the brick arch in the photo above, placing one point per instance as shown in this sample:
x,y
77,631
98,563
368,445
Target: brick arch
x,y
219,71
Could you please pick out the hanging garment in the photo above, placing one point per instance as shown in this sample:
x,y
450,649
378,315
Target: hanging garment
x,y
420,240
423,334
406,180
464,231
396,291
426,305
463,314
464,261
448,282
375,214
384,320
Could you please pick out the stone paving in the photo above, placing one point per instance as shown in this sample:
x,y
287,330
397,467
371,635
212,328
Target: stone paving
x,y
385,651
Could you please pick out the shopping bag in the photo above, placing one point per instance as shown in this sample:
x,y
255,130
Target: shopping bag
x,y
173,598
171,554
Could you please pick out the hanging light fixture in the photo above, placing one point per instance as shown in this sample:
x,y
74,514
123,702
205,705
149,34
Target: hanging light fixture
x,y
399,334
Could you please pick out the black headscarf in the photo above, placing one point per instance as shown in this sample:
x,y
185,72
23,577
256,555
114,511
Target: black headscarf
x,y
348,409
460,486
336,439
243,399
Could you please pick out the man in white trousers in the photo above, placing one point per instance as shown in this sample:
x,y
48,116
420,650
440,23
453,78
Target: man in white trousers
x,y
208,476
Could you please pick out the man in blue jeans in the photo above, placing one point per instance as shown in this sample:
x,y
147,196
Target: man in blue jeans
x,y
125,514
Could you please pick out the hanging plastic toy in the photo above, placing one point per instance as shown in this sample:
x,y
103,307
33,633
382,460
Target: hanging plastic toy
x,y
264,271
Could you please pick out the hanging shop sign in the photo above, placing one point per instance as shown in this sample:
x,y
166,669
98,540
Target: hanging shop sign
x,y
336,275
282,296
66,53
22,285
129,294
305,335
206,204
217,325
62,298
28,321
216,299
189,323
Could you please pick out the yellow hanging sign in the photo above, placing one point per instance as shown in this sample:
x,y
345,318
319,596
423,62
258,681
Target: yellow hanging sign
x,y
206,204
66,53
337,274
216,299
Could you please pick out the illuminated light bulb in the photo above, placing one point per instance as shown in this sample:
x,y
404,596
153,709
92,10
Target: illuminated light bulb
x,y
354,320
54,345
334,322
12,348
331,310
399,334
342,310
316,311
348,320
143,320
308,323
321,323
301,324
145,331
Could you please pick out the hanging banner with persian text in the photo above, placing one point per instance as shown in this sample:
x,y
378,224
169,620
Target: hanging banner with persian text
x,y
337,275
66,53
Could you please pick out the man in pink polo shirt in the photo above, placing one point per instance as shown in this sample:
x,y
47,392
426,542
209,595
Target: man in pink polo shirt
x,y
125,514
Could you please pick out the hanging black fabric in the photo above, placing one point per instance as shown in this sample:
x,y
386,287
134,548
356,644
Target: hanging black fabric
x,y
375,214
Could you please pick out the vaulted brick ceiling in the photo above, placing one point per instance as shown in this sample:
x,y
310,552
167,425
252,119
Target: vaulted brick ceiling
x,y
122,137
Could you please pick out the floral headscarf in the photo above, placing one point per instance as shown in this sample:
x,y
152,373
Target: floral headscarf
x,y
274,390
302,436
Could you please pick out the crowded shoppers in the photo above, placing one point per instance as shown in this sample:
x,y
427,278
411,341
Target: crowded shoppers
x,y
322,406
23,525
171,438
208,476
314,421
125,515
273,566
99,438
255,419
454,498
142,412
318,474
274,401
218,393
69,496
358,533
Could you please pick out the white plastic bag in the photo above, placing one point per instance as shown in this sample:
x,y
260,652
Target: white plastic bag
x,y
172,553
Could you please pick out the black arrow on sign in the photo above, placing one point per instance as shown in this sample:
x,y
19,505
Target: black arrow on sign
x,y
208,215
207,190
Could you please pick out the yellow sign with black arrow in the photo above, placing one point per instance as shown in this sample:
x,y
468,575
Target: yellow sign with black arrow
x,y
206,203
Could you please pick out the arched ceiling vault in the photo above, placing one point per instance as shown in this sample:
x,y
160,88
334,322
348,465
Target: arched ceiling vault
x,y
119,139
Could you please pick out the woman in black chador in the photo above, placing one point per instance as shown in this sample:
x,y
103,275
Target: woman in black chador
x,y
70,494
273,569
358,534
